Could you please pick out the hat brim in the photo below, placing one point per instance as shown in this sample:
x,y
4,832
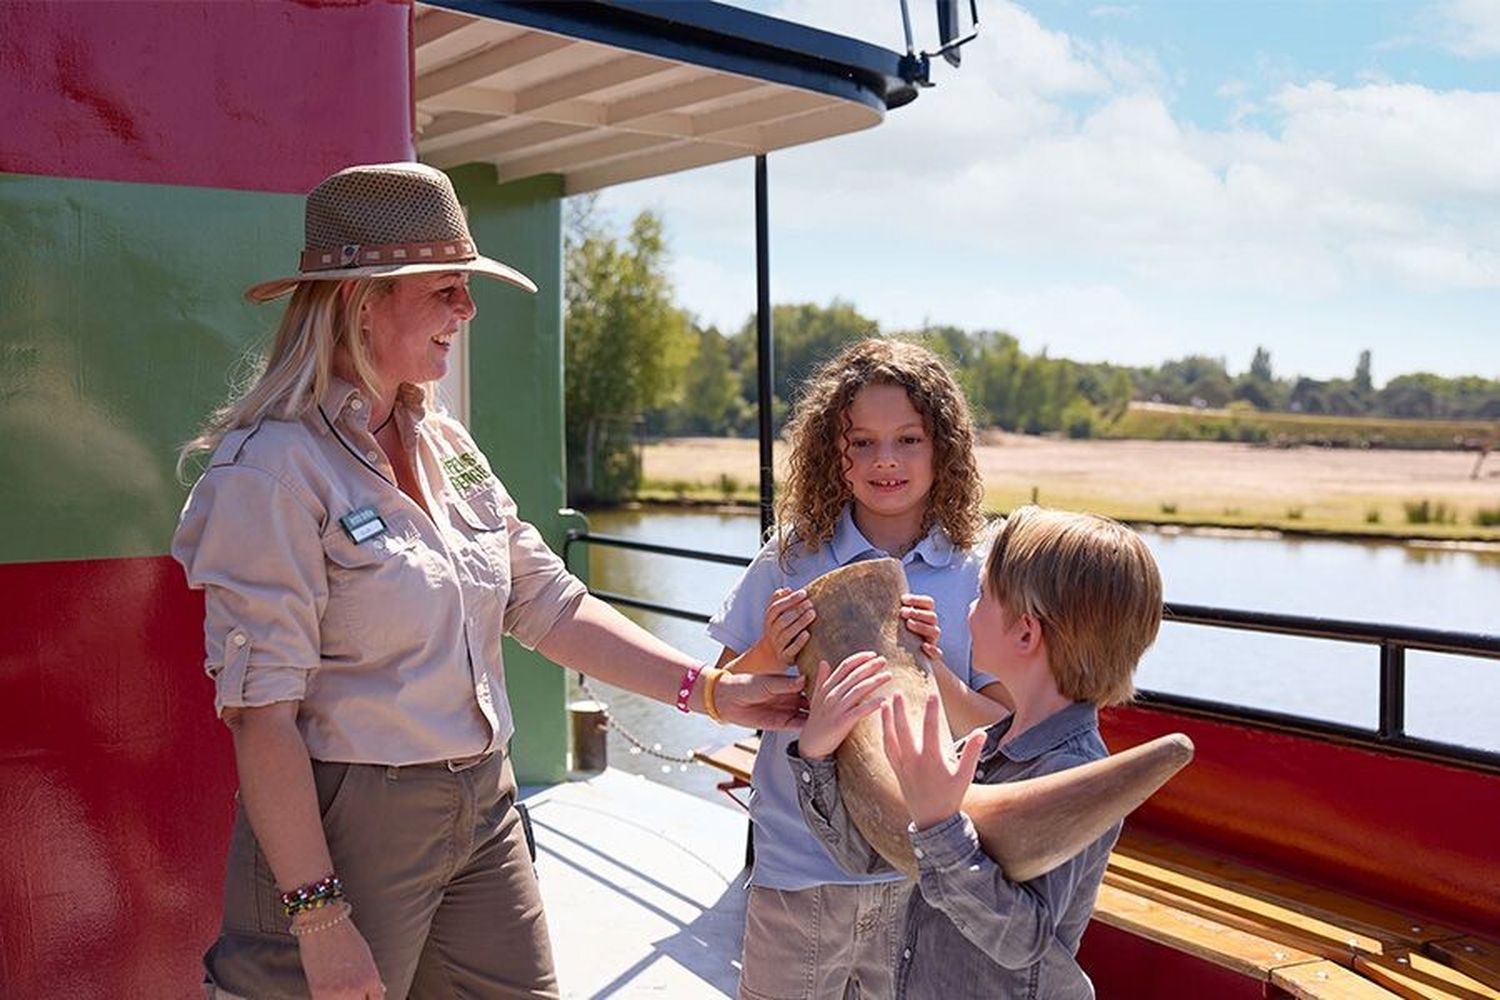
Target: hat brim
x,y
265,291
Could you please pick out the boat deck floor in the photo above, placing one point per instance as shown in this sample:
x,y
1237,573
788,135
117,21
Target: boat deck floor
x,y
644,887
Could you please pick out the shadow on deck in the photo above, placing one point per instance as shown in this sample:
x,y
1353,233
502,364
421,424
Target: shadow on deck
x,y
644,887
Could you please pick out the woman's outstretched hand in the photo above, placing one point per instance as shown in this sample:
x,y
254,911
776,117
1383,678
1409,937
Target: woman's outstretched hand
x,y
760,701
338,963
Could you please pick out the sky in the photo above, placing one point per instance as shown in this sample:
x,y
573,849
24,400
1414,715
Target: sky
x,y
1139,180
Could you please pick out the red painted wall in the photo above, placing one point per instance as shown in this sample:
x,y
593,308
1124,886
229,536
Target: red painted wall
x,y
231,94
1403,831
116,781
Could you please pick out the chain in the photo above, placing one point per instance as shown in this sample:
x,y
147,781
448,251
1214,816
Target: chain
x,y
627,735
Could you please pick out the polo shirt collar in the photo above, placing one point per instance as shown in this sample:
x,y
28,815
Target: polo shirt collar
x,y
1044,737
849,543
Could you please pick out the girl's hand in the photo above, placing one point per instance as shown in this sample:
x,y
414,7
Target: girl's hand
x,y
932,783
338,964
920,614
840,699
783,633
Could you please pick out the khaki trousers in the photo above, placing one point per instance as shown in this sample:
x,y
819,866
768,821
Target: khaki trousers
x,y
829,942
433,859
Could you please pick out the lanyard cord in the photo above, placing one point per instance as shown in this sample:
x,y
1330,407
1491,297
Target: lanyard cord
x,y
349,448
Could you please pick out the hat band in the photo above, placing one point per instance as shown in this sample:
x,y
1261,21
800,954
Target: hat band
x,y
367,255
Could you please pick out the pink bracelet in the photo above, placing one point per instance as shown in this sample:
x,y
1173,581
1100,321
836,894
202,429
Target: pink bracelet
x,y
685,687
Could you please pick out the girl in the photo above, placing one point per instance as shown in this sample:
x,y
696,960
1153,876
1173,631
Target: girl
x,y
882,464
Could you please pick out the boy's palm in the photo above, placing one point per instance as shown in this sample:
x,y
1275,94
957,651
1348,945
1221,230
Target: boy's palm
x,y
840,698
932,781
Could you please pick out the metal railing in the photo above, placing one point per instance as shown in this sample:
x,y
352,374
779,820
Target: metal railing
x,y
1393,643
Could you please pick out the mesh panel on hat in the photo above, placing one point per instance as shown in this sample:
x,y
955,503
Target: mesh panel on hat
x,y
387,203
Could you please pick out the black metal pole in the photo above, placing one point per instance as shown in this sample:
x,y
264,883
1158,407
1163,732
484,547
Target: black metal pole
x,y
1392,690
764,355
765,361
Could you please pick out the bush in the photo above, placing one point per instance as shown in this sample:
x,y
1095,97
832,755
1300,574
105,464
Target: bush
x,y
1295,513
1372,516
728,485
1169,508
1078,419
1426,512
1487,517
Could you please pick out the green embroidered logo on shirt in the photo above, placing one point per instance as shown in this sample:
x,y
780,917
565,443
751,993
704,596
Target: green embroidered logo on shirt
x,y
466,472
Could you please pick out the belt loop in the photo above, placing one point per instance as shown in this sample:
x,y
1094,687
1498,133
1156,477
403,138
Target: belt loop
x,y
392,773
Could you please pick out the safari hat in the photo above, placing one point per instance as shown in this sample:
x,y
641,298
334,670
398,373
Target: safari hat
x,y
383,220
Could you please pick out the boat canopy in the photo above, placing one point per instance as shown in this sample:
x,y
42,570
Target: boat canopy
x,y
604,93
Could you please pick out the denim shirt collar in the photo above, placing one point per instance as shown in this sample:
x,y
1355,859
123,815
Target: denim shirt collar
x,y
849,543
1044,737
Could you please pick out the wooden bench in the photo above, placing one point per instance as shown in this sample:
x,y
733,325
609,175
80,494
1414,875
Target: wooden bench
x,y
736,759
1300,939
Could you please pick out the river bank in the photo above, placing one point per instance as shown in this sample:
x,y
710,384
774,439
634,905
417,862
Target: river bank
x,y
1341,493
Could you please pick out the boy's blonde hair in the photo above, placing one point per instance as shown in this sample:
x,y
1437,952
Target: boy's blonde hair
x,y
1094,586
815,490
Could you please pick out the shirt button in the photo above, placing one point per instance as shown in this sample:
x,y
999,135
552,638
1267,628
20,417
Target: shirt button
x,y
355,404
807,777
373,456
238,639
919,853
906,953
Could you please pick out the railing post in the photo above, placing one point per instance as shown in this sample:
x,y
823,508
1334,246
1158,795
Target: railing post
x,y
765,362
1392,690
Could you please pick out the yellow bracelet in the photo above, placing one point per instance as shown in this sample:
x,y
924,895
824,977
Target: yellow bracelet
x,y
711,681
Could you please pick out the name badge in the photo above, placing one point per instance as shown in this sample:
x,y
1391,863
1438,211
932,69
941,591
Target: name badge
x,y
363,524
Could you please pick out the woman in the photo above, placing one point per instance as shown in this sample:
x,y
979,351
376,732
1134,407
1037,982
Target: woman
x,y
360,563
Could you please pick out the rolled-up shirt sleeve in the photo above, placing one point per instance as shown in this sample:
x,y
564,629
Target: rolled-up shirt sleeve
x,y
253,545
541,588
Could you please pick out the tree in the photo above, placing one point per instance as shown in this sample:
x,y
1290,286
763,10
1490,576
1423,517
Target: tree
x,y
627,346
1362,386
711,401
1260,366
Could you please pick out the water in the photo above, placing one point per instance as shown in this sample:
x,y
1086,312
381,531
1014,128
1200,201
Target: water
x,y
1453,699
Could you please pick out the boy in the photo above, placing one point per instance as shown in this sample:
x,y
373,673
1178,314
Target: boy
x,y
1069,603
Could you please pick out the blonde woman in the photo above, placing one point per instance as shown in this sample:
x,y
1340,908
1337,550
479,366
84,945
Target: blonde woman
x,y
360,562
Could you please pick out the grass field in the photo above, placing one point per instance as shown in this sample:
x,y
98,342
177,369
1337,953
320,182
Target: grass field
x,y
1306,489
1164,422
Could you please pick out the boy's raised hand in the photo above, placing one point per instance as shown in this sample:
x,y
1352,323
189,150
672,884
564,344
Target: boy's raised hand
x,y
932,784
783,633
840,698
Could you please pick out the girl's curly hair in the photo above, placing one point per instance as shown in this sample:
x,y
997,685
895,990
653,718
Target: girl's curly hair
x,y
816,491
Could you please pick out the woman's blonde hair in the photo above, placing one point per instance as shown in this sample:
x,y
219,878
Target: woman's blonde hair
x,y
288,380
1093,585
816,491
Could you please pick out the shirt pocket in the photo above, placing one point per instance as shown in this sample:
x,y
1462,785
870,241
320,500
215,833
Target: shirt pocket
x,y
484,557
367,582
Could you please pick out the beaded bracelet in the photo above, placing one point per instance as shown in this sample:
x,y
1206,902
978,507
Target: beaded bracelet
x,y
685,687
711,678
298,930
313,895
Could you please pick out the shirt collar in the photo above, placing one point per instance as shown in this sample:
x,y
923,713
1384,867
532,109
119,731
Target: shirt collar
x,y
1052,732
849,543
340,393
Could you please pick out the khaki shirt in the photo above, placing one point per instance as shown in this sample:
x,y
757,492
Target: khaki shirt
x,y
391,644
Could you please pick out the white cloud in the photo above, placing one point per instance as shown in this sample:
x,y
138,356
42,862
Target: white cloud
x,y
1046,156
1471,27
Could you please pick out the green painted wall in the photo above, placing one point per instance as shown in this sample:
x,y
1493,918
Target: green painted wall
x,y
516,414
120,314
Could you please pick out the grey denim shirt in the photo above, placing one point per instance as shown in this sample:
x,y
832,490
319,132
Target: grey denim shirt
x,y
970,931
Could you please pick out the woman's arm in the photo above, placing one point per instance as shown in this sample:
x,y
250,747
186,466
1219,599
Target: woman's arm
x,y
281,802
594,638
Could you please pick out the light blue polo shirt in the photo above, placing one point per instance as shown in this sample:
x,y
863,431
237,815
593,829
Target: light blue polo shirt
x,y
787,855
